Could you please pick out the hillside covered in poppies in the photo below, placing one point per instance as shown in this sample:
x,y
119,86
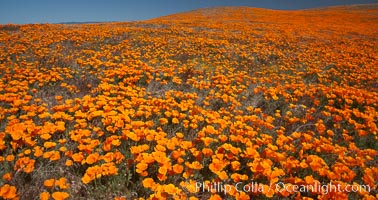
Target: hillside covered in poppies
x,y
253,101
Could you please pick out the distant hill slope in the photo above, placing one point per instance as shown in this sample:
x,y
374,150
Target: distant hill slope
x,y
355,7
238,12
353,19
88,22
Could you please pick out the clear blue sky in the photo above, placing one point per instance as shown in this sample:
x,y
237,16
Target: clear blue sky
x,y
55,11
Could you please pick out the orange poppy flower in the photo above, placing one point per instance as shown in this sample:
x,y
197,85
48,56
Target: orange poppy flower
x,y
69,163
9,158
77,157
49,144
7,176
148,183
62,183
44,196
60,195
25,164
49,183
163,121
86,179
8,192
175,120
170,189
162,170
177,168
92,158
140,167
215,197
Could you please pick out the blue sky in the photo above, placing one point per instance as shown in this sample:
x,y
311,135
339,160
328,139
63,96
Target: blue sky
x,y
55,11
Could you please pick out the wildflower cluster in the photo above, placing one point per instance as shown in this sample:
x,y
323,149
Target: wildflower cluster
x,y
151,109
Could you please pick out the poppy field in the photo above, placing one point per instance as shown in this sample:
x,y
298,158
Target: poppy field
x,y
178,107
